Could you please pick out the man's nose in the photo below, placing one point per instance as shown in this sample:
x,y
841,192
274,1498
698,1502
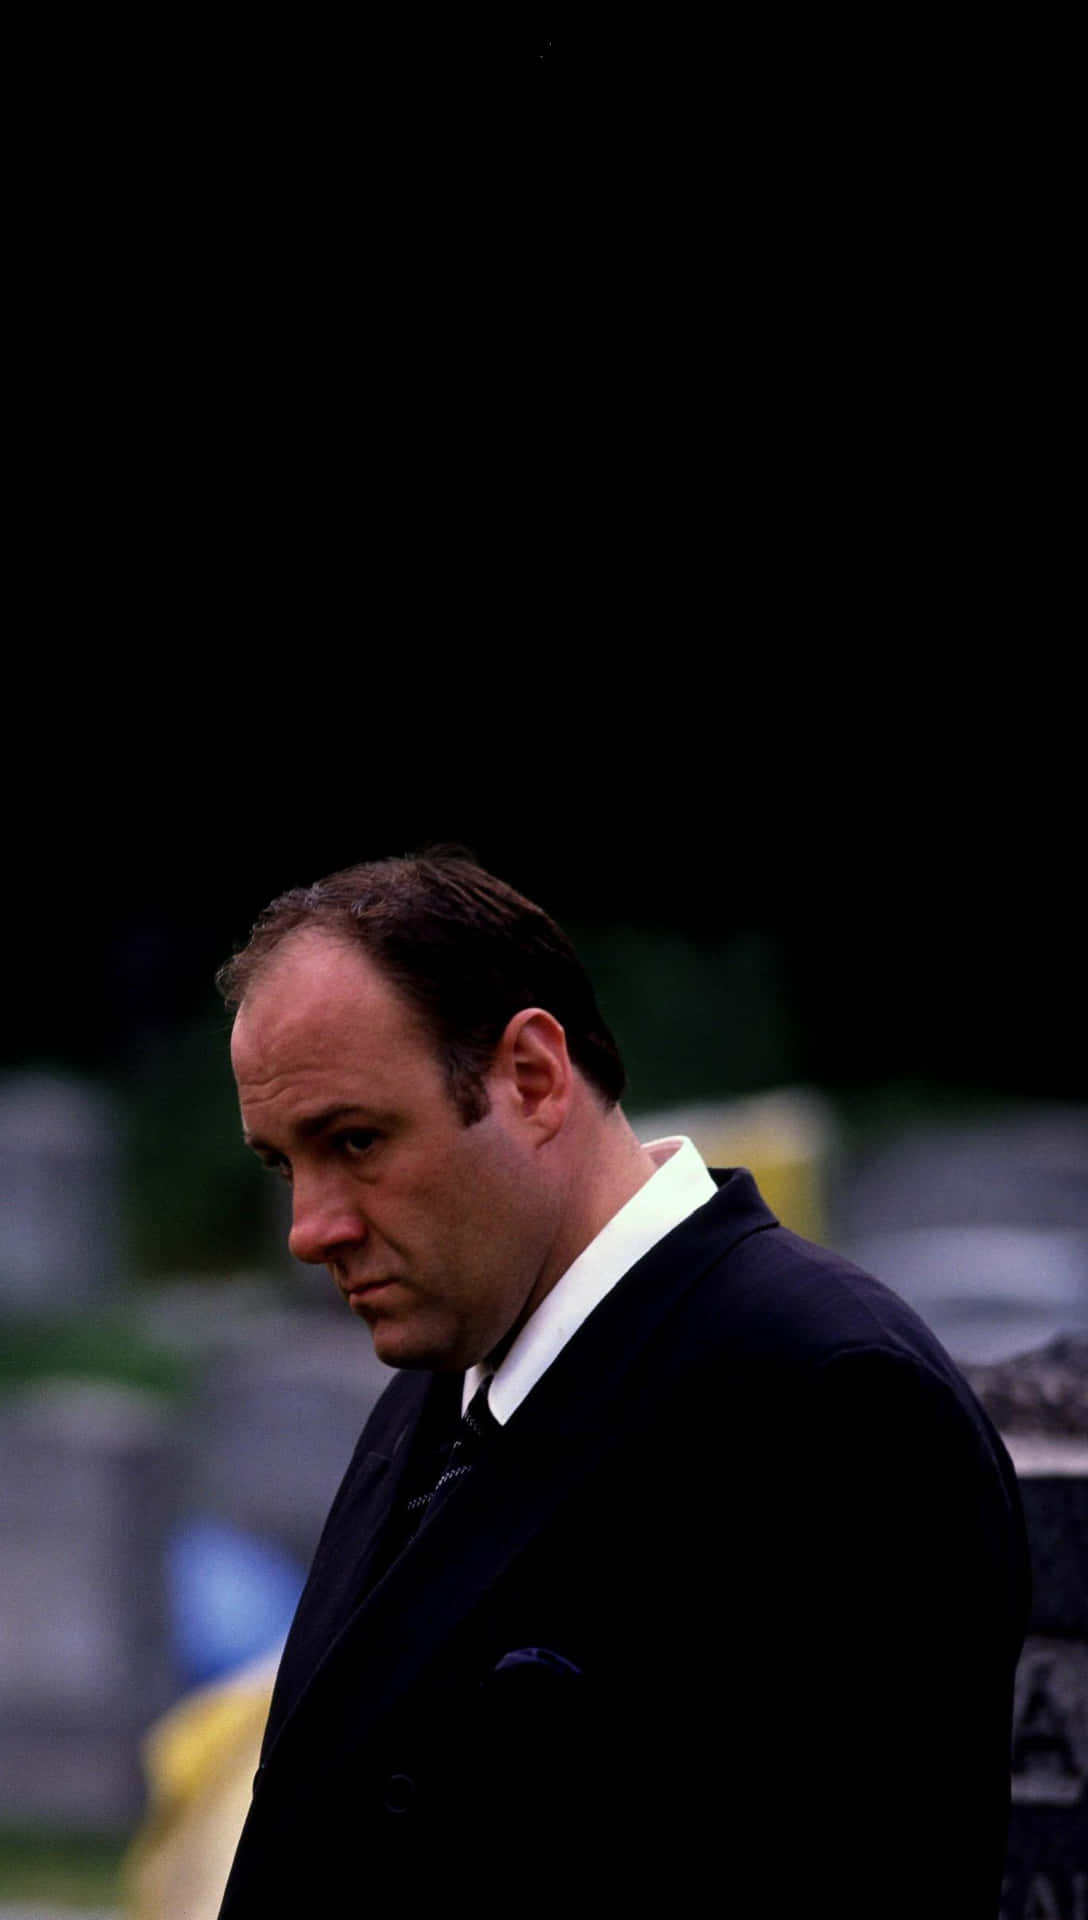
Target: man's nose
x,y
323,1221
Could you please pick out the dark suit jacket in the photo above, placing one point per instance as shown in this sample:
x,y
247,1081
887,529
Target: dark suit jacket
x,y
728,1616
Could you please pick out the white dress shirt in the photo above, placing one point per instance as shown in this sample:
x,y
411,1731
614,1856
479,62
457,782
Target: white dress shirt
x,y
680,1184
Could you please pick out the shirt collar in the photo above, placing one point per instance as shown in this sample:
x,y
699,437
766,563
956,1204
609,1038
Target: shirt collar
x,y
679,1185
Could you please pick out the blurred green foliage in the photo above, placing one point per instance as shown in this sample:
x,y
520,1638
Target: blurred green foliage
x,y
80,1869
94,1344
196,1199
694,1021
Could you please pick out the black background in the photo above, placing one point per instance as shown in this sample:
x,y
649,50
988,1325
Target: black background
x,y
642,456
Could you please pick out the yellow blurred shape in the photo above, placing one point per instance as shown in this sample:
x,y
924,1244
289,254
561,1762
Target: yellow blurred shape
x,y
200,1758
785,1138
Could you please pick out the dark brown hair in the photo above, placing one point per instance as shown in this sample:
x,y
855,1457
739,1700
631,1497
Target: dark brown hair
x,y
463,948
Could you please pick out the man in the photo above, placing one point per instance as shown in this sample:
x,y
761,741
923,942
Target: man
x,y
716,1593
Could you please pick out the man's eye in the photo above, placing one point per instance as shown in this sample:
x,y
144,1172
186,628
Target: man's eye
x,y
280,1167
357,1140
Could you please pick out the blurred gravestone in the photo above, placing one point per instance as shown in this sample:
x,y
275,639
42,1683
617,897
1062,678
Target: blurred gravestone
x,y
274,1423
1040,1402
1022,1168
982,1227
84,1661
60,1235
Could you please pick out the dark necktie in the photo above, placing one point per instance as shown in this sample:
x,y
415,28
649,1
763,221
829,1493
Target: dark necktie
x,y
456,1459
441,1470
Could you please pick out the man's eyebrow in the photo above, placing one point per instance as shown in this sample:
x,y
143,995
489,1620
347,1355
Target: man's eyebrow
x,y
313,1124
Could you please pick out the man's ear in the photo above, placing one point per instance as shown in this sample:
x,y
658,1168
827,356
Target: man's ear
x,y
533,1059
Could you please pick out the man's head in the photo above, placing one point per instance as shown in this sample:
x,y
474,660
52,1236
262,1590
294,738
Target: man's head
x,y
402,1059
462,948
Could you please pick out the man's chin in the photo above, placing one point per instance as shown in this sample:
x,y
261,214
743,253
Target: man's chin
x,y
407,1348
400,1347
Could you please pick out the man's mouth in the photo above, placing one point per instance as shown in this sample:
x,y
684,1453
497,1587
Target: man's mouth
x,y
356,1291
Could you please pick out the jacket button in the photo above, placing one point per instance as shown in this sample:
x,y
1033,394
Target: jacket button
x,y
400,1791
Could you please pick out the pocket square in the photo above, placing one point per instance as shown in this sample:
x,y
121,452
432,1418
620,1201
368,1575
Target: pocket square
x,y
539,1658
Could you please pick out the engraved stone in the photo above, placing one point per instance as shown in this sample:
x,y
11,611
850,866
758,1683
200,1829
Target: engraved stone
x,y
1040,1401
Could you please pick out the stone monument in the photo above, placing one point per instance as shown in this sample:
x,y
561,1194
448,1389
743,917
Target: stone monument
x,y
1040,1403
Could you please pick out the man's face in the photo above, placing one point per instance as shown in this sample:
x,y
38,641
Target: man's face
x,y
435,1233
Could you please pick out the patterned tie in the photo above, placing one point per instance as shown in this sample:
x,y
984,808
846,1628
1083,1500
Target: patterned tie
x,y
446,1468
478,1426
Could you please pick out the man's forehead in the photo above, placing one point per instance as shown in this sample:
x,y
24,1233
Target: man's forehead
x,y
315,985
312,964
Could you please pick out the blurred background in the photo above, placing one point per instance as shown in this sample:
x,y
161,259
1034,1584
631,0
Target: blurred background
x,y
647,472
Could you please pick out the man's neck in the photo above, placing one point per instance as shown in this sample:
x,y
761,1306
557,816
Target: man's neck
x,y
606,1167
679,1186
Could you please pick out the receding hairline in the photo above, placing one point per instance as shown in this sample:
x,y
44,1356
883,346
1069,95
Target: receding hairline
x,y
312,933
363,961
460,945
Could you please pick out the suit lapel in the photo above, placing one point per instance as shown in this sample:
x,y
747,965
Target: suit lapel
x,y
606,1381
353,1541
432,1407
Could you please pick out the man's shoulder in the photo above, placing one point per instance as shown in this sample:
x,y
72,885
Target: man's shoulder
x,y
765,1295
781,1335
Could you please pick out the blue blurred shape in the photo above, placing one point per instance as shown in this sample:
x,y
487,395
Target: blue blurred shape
x,y
232,1596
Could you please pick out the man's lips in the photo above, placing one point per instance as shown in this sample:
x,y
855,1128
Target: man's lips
x,y
355,1291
